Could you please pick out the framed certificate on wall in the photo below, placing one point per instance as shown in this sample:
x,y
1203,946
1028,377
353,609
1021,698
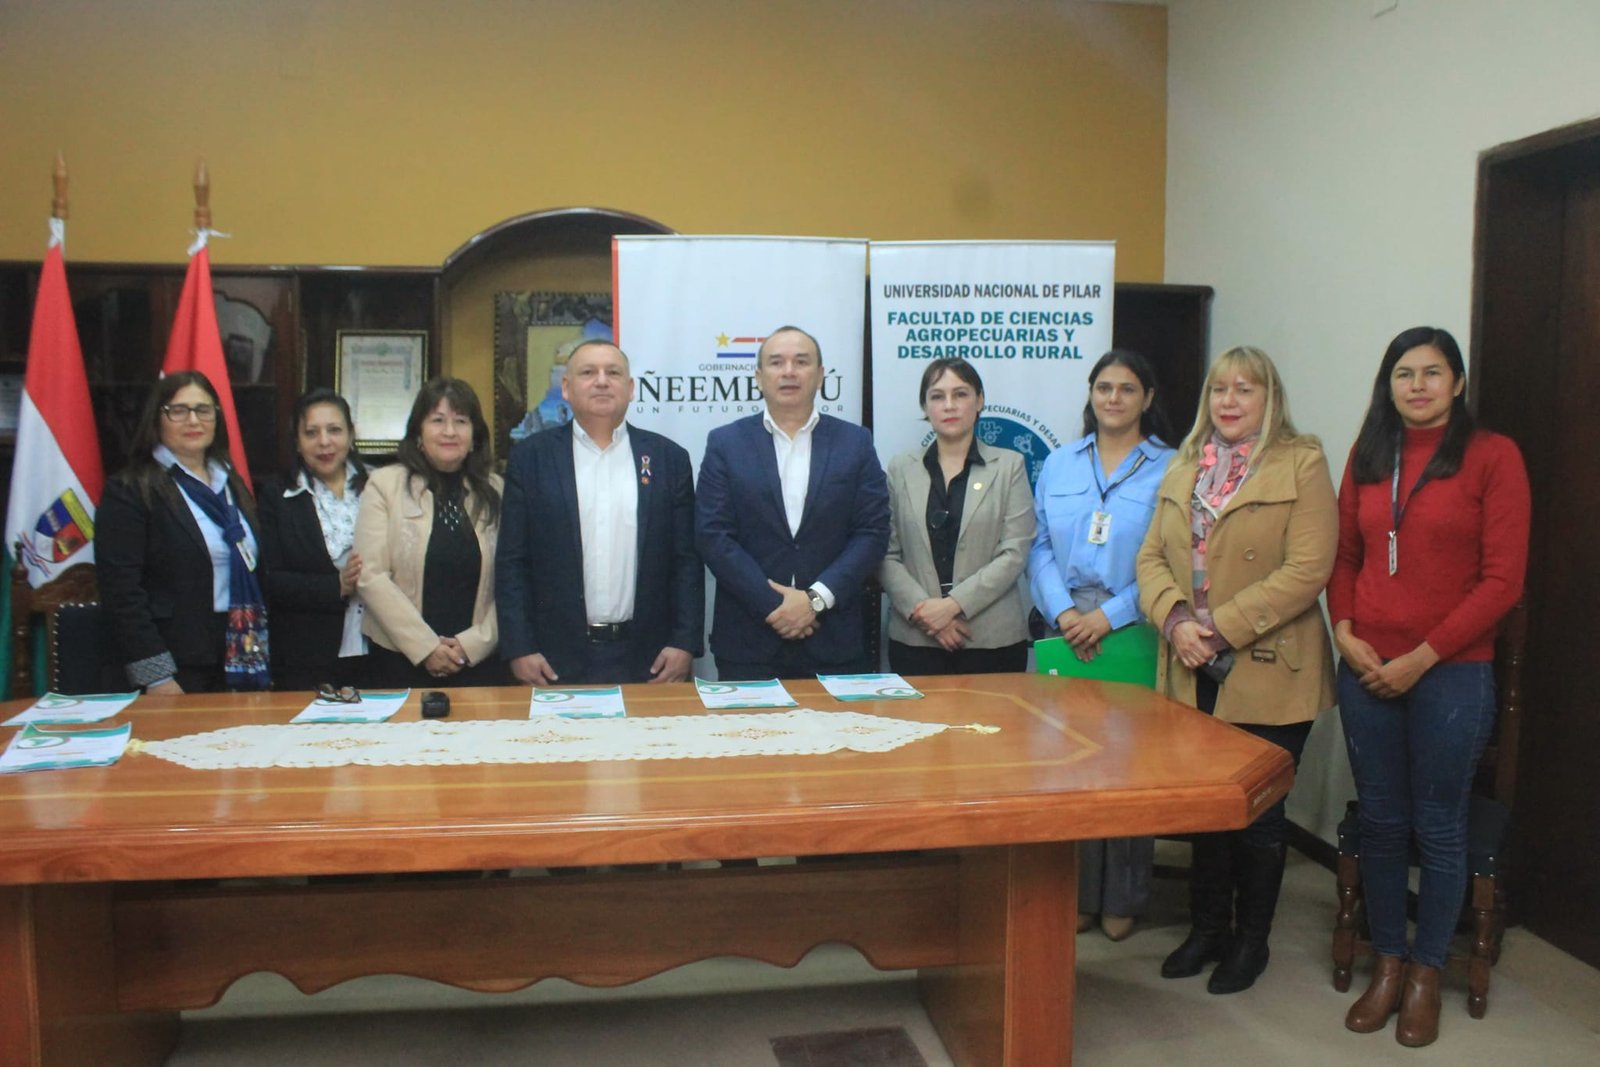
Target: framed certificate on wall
x,y
379,373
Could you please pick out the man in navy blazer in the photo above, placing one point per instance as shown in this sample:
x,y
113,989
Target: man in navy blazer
x,y
596,576
792,516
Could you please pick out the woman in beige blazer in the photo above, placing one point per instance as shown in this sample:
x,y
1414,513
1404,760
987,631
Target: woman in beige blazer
x,y
1241,545
961,520
426,534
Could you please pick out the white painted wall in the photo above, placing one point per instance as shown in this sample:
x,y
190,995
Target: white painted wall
x,y
1322,175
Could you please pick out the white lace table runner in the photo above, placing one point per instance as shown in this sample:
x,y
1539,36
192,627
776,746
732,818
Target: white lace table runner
x,y
432,743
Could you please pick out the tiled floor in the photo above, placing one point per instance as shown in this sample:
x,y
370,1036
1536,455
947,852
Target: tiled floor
x,y
1544,1011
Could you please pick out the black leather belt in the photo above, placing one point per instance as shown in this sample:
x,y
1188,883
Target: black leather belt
x,y
610,631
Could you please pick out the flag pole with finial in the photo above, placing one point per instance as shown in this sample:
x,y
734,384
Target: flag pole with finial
x,y
195,342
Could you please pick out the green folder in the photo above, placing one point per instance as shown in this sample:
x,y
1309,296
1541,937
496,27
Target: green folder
x,y
1126,655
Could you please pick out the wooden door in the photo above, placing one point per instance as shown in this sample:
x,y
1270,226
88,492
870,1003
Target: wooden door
x,y
1537,376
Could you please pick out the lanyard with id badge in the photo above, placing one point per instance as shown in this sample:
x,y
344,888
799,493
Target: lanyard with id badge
x,y
1100,521
1397,511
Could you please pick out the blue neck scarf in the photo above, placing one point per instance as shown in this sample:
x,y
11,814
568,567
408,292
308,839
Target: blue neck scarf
x,y
245,664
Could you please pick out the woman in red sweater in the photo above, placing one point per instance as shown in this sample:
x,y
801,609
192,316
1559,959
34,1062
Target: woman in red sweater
x,y
1433,542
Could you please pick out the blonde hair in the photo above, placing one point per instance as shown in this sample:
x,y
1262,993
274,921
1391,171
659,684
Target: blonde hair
x,y
1276,427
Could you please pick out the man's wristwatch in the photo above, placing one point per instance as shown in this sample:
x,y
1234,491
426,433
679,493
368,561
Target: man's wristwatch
x,y
818,605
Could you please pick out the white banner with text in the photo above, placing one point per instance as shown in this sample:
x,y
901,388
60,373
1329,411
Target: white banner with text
x,y
1031,316
692,311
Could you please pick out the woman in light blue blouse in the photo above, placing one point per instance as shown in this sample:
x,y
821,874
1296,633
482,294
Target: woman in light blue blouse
x,y
1093,502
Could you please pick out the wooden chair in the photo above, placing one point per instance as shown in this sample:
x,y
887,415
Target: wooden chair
x,y
70,608
1488,832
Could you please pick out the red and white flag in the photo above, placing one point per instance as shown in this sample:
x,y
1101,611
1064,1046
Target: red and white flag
x,y
196,344
56,476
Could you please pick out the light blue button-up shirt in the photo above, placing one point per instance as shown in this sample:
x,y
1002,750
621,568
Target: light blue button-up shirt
x,y
1072,487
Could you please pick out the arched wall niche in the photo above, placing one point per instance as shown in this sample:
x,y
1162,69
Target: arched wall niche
x,y
487,301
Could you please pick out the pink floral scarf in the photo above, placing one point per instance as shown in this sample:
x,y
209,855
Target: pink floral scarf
x,y
1223,469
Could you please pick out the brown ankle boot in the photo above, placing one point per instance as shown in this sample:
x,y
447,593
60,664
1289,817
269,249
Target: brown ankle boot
x,y
1371,1012
1419,1006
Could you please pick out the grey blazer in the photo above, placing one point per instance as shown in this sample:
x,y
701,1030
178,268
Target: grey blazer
x,y
997,526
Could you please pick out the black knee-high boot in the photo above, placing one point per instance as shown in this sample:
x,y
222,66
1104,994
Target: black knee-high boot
x,y
1258,874
1210,908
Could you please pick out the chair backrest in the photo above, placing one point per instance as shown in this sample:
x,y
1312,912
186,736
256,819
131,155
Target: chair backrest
x,y
75,594
77,662
1497,770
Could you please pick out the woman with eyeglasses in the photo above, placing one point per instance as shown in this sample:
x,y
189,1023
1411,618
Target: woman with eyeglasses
x,y
1239,549
960,520
426,535
1094,503
308,527
177,554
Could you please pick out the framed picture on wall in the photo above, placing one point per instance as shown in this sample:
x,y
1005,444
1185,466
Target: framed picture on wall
x,y
379,373
534,334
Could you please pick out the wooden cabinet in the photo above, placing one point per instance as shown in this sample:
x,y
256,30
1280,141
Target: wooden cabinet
x,y
1171,326
279,328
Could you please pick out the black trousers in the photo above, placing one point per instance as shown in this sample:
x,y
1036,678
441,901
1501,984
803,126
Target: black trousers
x,y
387,669
793,662
1272,826
922,659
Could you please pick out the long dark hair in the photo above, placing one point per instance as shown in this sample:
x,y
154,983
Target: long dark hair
x,y
462,398
1382,431
1152,423
145,474
323,395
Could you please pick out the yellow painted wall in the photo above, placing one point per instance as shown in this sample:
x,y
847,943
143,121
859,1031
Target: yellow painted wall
x,y
389,131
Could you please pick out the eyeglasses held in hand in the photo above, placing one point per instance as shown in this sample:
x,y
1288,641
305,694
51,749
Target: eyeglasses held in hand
x,y
181,412
341,694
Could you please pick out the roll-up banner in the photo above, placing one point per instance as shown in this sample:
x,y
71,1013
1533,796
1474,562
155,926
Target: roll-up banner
x,y
691,312
1031,316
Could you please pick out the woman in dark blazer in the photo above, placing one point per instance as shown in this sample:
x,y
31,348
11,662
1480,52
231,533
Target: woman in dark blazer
x,y
176,551
308,528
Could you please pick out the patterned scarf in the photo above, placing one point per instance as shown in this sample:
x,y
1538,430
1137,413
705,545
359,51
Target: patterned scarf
x,y
1223,468
245,664
335,514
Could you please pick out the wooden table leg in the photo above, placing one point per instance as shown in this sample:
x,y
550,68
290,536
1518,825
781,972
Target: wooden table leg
x,y
1008,1002
57,985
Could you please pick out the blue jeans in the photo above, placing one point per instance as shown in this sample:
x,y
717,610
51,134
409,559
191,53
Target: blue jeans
x,y
1413,759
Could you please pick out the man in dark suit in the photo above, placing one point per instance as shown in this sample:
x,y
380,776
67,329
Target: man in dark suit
x,y
792,517
596,576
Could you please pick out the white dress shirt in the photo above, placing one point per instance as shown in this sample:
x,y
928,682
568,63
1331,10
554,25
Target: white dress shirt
x,y
608,517
794,475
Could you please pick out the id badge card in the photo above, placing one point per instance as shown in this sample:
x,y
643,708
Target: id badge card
x,y
1099,527
248,556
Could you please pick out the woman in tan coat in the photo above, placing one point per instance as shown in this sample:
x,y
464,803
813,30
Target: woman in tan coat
x,y
1242,542
426,535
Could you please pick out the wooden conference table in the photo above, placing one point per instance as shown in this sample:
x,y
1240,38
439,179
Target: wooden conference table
x,y
957,861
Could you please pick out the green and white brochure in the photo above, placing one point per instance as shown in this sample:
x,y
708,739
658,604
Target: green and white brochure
x,y
868,687
603,702
372,707
65,710
721,696
36,749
